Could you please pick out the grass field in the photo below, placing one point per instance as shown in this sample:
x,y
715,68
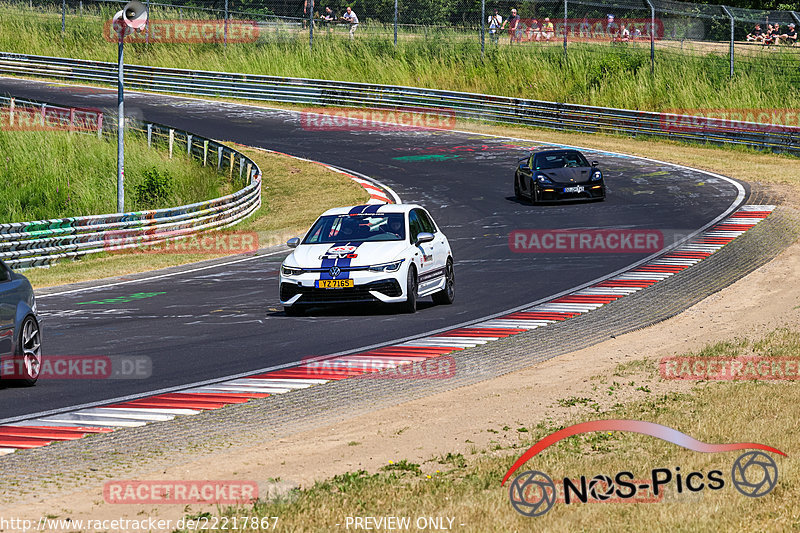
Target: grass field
x,y
467,486
53,174
615,76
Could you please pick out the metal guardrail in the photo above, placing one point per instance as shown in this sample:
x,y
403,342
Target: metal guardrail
x,y
489,108
43,242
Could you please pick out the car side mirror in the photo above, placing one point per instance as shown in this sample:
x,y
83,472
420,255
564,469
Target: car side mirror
x,y
425,237
595,163
293,242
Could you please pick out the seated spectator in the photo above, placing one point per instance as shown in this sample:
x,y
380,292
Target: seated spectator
x,y
624,34
772,31
756,35
548,31
636,33
534,30
789,36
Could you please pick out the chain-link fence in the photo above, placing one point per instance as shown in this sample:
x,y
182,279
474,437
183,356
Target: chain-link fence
x,y
742,38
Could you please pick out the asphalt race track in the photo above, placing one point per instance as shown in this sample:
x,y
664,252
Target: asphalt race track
x,y
227,319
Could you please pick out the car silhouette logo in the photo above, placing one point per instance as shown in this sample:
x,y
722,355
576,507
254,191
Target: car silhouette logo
x,y
334,271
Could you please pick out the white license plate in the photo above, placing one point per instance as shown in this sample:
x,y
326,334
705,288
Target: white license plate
x,y
577,188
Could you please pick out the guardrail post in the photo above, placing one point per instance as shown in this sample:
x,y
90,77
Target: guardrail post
x,y
730,15
230,170
219,158
189,145
71,119
80,6
11,113
99,125
225,38
42,117
249,170
149,135
395,22
483,26
241,166
171,141
205,152
63,16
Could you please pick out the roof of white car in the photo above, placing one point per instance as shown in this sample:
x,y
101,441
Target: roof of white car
x,y
367,209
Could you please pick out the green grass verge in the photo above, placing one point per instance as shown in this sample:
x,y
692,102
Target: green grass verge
x,y
467,488
603,75
294,193
53,174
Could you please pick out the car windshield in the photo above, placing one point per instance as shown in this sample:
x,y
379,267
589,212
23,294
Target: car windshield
x,y
357,228
561,159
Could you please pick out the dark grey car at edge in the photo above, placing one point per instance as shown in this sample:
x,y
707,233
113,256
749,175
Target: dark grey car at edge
x,y
20,333
558,176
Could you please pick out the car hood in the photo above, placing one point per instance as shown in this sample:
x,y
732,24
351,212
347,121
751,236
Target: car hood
x,y
367,253
568,176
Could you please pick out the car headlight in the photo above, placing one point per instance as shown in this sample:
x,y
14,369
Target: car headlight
x,y
291,271
597,175
541,178
387,267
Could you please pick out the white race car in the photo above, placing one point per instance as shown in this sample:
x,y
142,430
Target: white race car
x,y
384,253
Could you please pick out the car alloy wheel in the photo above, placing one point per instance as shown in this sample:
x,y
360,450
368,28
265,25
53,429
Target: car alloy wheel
x,y
29,352
410,305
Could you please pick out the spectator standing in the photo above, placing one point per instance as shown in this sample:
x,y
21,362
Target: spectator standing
x,y
514,30
329,18
495,23
351,18
612,29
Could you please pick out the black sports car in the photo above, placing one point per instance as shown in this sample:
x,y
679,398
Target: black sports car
x,y
558,175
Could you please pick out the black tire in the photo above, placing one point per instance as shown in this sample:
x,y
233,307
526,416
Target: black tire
x,y
28,356
294,310
534,200
517,191
448,294
410,305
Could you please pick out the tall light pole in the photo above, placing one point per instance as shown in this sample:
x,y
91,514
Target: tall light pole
x,y
132,17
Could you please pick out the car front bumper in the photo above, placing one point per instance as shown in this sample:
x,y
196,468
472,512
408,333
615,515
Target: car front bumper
x,y
556,193
368,287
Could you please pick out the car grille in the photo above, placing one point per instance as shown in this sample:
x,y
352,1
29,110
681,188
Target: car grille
x,y
359,293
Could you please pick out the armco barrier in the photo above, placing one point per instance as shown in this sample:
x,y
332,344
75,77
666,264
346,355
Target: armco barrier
x,y
42,242
498,109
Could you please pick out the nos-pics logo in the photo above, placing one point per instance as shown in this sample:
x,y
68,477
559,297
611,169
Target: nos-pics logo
x,y
533,493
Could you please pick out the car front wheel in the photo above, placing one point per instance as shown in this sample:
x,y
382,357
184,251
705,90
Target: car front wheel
x,y
410,305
